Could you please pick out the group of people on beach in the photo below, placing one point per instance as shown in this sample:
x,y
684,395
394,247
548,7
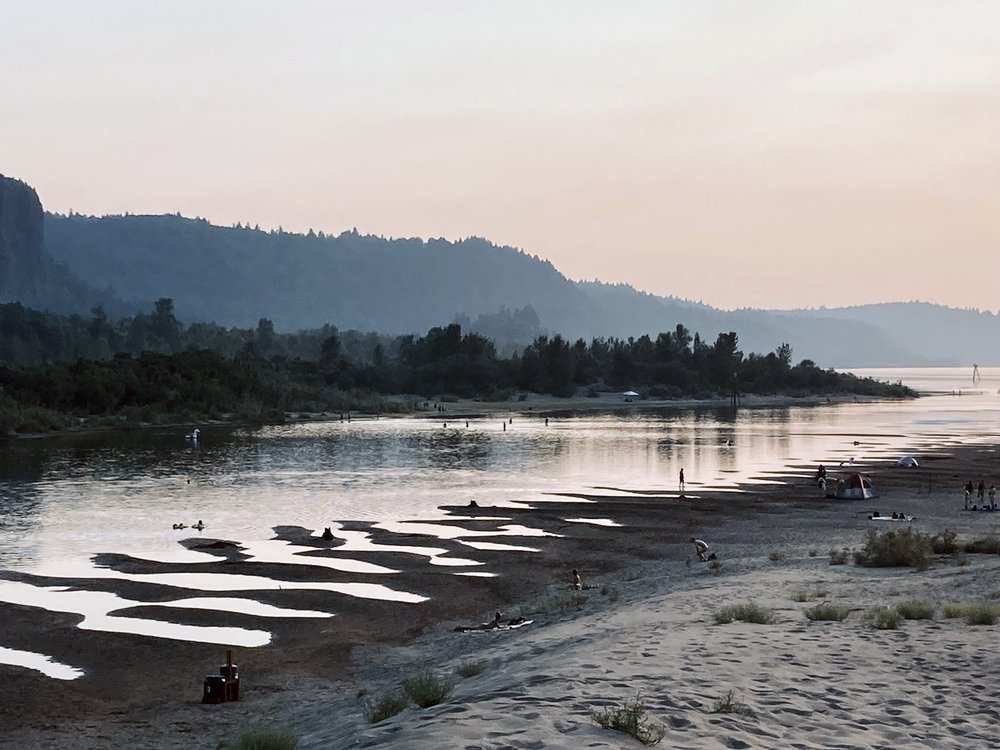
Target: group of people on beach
x,y
981,496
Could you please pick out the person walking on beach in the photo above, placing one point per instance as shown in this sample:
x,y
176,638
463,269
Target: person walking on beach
x,y
681,482
993,496
577,581
700,549
968,493
981,492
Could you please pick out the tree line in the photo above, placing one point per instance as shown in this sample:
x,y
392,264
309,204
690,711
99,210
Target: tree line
x,y
59,371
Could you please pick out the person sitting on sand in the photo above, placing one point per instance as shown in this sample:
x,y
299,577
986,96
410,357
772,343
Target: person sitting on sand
x,y
700,549
491,625
577,582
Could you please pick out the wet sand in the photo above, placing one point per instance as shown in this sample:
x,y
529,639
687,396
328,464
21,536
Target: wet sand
x,y
644,626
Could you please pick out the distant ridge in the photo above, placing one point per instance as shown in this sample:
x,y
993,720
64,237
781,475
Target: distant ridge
x,y
237,275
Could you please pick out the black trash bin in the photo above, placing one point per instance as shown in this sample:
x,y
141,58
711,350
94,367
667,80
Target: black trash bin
x,y
215,689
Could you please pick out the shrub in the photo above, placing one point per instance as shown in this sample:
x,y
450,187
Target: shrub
x,y
748,612
955,609
265,739
989,545
839,557
883,618
827,612
427,690
630,718
975,613
982,613
388,704
776,557
945,543
730,703
905,548
915,609
470,668
813,553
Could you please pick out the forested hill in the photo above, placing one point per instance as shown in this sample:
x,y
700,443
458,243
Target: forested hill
x,y
235,276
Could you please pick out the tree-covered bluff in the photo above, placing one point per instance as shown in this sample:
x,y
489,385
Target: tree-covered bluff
x,y
204,371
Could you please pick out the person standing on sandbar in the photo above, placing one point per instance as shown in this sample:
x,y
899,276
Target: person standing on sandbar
x,y
681,482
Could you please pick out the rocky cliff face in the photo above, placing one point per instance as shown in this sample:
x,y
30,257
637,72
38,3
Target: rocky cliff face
x,y
28,272
22,256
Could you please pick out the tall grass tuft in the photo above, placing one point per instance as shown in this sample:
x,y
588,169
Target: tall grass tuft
x,y
630,718
974,613
749,612
427,690
883,618
827,612
915,609
386,705
730,703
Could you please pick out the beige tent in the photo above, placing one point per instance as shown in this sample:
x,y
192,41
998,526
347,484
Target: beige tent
x,y
855,487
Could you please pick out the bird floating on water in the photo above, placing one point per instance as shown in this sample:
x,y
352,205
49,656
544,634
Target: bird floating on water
x,y
192,436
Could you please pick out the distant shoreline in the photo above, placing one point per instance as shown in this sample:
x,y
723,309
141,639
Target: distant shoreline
x,y
533,404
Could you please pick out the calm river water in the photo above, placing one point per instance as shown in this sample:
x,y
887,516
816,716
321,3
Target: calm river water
x,y
62,500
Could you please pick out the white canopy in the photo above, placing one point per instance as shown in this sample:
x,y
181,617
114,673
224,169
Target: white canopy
x,y
907,461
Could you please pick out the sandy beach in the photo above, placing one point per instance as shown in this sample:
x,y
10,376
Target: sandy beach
x,y
643,626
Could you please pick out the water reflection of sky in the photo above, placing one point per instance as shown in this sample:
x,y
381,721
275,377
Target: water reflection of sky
x,y
73,497
63,500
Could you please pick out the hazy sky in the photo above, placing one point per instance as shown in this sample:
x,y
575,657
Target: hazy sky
x,y
772,154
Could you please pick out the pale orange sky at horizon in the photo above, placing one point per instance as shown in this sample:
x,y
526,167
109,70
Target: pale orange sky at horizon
x,y
765,154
